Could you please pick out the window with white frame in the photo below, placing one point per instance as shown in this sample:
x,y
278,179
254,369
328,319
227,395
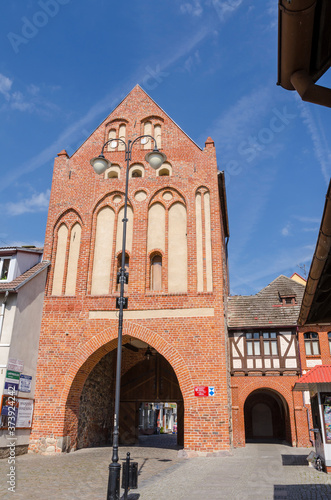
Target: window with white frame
x,y
311,343
270,347
4,268
253,344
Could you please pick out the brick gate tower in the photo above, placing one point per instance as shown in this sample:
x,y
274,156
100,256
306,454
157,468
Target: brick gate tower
x,y
176,255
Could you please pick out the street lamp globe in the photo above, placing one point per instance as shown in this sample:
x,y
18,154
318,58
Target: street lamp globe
x,y
155,159
100,164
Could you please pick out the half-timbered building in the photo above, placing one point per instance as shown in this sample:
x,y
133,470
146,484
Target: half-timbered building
x,y
265,364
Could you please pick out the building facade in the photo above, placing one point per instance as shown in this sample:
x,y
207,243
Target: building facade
x,y
177,263
265,364
22,284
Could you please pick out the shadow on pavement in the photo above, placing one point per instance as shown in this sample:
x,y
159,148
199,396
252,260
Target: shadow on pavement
x,y
168,441
295,460
302,491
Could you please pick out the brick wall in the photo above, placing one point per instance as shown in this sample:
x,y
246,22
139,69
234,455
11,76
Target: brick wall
x,y
72,343
281,387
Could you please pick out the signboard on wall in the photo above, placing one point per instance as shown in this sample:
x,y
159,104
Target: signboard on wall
x,y
25,383
202,391
15,365
17,412
24,414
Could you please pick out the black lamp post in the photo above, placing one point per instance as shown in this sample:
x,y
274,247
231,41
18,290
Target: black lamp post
x,y
100,164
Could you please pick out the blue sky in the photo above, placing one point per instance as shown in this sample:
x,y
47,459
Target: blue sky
x,y
212,66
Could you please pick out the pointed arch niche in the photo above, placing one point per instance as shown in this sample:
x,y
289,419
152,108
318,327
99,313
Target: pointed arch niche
x,y
203,240
103,248
68,239
108,243
167,239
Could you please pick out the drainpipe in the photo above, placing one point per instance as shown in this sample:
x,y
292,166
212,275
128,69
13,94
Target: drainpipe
x,y
309,91
2,313
303,397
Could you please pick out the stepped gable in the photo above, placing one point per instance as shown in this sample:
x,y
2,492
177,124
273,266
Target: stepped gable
x,y
266,307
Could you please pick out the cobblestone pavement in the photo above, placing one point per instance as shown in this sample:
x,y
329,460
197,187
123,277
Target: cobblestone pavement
x,y
258,471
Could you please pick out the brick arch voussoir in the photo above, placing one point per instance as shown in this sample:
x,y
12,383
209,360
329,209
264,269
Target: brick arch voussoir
x,y
274,387
89,354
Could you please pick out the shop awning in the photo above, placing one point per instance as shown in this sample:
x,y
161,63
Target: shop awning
x,y
320,374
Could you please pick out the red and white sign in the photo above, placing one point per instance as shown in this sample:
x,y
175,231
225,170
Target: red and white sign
x,y
201,391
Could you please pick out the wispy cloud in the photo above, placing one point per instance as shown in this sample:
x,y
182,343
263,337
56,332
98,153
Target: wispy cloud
x,y
272,11
272,266
286,229
302,218
223,8
73,133
193,8
5,86
28,100
319,140
226,7
38,202
21,243
235,131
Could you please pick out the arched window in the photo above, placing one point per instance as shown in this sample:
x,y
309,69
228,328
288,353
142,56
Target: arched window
x,y
165,170
311,343
122,135
147,143
157,135
111,135
136,171
113,172
156,273
126,267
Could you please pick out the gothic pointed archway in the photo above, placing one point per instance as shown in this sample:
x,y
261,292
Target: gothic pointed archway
x,y
88,403
266,417
144,381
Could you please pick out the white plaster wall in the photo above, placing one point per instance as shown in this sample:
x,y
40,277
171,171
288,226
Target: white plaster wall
x,y
237,363
291,363
313,362
26,260
25,336
156,227
60,260
284,342
198,215
75,237
177,249
276,363
209,271
103,251
6,335
267,363
258,363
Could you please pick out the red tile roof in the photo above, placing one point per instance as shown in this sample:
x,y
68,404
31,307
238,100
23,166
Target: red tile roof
x,y
320,374
17,283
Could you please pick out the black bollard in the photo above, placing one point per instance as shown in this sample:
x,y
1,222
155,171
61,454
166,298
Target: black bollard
x,y
113,492
126,467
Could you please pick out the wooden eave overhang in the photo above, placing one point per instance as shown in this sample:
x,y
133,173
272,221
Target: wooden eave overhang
x,y
316,302
304,47
224,208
